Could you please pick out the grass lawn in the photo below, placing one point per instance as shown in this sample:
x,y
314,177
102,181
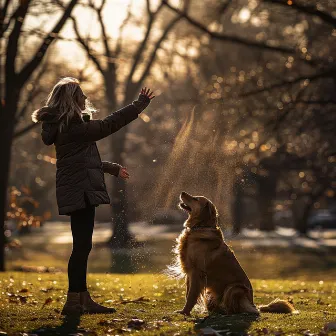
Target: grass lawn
x,y
30,303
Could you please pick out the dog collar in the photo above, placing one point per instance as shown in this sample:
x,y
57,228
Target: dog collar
x,y
203,228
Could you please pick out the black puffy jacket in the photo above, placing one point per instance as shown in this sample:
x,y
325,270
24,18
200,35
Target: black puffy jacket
x,y
79,175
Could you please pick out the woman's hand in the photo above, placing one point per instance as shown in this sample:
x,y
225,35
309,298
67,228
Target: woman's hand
x,y
143,100
147,93
123,173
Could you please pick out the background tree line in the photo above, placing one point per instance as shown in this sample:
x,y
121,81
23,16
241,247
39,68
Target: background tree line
x,y
244,114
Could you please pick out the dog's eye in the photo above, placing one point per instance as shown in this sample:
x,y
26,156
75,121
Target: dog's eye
x,y
195,199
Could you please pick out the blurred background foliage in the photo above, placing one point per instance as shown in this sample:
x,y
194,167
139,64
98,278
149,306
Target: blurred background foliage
x,y
244,110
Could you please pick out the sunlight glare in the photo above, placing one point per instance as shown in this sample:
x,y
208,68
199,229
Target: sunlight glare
x,y
244,15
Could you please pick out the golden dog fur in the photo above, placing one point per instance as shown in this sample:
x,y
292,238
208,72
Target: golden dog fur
x,y
212,272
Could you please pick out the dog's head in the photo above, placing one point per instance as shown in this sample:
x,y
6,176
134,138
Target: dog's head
x,y
200,210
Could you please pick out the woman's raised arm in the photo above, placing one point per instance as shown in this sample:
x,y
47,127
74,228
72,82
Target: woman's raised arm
x,y
95,130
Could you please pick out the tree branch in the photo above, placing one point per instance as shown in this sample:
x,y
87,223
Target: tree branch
x,y
102,26
309,9
156,47
121,29
227,38
141,48
12,45
149,12
3,14
289,82
29,68
317,102
86,47
33,92
24,130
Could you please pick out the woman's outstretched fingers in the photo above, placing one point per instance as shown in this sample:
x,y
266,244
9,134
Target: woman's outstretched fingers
x,y
124,173
147,92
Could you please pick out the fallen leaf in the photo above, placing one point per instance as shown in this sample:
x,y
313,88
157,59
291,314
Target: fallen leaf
x,y
308,333
138,300
105,322
47,302
135,324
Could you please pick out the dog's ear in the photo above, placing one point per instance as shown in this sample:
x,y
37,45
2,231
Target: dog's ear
x,y
210,212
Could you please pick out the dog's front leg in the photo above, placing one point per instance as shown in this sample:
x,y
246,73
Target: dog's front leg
x,y
187,286
194,288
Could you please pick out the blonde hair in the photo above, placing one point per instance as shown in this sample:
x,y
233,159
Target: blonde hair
x,y
63,100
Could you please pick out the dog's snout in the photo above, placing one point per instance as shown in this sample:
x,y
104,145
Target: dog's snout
x,y
183,193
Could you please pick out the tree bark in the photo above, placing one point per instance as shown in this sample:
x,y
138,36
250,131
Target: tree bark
x,y
121,238
267,193
237,218
6,138
301,224
14,82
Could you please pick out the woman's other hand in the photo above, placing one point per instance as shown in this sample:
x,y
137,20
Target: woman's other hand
x,y
123,173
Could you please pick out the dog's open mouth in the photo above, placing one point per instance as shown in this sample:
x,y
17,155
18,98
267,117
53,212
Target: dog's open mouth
x,y
185,207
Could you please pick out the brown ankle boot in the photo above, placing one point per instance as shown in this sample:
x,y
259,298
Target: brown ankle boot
x,y
72,305
91,307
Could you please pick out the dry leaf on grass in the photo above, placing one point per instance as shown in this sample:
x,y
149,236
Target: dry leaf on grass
x,y
138,300
47,302
135,324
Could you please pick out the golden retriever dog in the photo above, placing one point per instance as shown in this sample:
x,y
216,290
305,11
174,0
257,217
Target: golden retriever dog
x,y
212,272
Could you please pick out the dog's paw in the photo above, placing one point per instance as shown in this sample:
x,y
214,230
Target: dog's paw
x,y
182,312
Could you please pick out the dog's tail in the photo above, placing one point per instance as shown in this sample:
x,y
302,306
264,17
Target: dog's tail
x,y
279,306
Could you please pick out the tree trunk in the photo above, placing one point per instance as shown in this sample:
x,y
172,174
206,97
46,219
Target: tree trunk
x,y
267,194
6,136
301,224
121,236
237,207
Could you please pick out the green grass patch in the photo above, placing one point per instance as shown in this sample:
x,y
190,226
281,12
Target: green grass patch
x,y
31,303
259,263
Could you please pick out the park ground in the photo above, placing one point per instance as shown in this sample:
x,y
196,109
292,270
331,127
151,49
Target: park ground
x,y
280,264
145,303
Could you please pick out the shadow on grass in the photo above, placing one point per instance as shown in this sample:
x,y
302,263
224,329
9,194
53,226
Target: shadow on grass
x,y
69,326
312,262
227,324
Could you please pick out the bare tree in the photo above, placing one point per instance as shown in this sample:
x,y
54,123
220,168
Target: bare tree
x,y
106,64
14,82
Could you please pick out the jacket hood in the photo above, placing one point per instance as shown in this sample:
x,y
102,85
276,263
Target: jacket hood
x,y
49,117
47,114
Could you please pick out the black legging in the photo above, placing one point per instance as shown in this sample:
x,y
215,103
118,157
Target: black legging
x,y
82,223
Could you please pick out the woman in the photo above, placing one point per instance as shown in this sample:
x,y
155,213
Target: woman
x,y
80,185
